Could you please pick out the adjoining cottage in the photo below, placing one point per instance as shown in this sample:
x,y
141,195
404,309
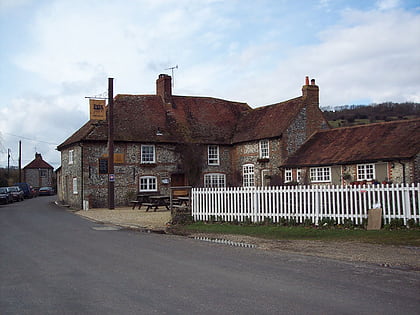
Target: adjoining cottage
x,y
166,140
375,153
38,173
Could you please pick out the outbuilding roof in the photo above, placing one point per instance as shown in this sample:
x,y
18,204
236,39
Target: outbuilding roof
x,y
359,144
38,162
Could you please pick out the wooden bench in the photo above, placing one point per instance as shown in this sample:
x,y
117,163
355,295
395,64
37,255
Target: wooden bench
x,y
176,193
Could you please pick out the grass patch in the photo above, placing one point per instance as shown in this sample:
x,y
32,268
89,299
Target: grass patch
x,y
408,237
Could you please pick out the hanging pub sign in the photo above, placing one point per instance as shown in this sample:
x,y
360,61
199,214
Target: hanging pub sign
x,y
97,109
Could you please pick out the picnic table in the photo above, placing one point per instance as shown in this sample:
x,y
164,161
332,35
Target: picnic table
x,y
142,199
157,201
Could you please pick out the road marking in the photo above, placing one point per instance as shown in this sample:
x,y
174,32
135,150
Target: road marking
x,y
226,242
106,228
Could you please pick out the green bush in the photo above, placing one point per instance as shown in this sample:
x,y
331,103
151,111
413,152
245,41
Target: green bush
x,y
348,223
411,224
326,222
395,224
307,222
292,222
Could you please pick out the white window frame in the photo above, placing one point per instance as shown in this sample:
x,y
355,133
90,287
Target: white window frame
x,y
320,174
75,189
213,155
148,157
214,180
264,149
288,175
366,171
148,183
298,175
71,156
248,173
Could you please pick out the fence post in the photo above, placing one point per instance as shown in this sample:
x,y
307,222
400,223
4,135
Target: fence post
x,y
316,192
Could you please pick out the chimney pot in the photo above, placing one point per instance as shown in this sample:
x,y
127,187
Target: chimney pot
x,y
313,82
306,80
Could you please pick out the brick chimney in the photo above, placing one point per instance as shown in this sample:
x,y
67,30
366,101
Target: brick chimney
x,y
315,120
164,87
310,92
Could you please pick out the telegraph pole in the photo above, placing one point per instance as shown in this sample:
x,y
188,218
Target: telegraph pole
x,y
20,161
8,163
111,175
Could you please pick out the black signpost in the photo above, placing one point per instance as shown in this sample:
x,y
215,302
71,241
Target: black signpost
x,y
111,176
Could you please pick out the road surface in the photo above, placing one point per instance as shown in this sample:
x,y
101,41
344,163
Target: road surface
x,y
54,262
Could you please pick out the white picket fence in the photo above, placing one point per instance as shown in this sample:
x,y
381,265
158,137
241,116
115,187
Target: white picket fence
x,y
306,202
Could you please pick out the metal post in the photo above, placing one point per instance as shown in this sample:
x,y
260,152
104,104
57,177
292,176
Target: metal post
x,y
111,176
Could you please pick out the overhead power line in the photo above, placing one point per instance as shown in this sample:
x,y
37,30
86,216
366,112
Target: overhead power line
x,y
30,139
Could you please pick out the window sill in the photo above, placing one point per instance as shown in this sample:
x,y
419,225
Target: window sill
x,y
148,164
263,160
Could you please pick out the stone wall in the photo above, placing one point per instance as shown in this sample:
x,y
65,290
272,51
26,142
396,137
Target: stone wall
x,y
93,186
127,174
416,169
224,167
71,195
296,134
398,169
33,178
248,153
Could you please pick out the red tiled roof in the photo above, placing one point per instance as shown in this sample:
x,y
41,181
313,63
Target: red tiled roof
x,y
268,121
138,118
358,144
38,162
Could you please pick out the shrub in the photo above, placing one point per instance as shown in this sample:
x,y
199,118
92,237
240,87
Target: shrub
x,y
307,222
411,224
395,224
348,223
292,222
283,222
326,222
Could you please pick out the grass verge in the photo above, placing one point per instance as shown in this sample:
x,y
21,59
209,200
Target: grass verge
x,y
407,237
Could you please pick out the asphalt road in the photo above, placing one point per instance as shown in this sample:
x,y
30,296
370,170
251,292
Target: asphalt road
x,y
54,262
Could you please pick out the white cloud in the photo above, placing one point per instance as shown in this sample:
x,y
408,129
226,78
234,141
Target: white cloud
x,y
387,4
371,55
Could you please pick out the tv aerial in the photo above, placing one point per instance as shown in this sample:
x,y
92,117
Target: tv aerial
x,y
172,74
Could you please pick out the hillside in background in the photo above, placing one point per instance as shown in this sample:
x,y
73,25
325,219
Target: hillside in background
x,y
350,115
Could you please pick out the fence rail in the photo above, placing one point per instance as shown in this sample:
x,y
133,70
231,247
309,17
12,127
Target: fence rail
x,y
306,202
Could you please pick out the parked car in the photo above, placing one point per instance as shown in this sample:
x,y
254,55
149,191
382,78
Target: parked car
x,y
16,192
5,196
46,191
27,189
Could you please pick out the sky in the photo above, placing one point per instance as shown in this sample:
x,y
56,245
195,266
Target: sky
x,y
55,53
